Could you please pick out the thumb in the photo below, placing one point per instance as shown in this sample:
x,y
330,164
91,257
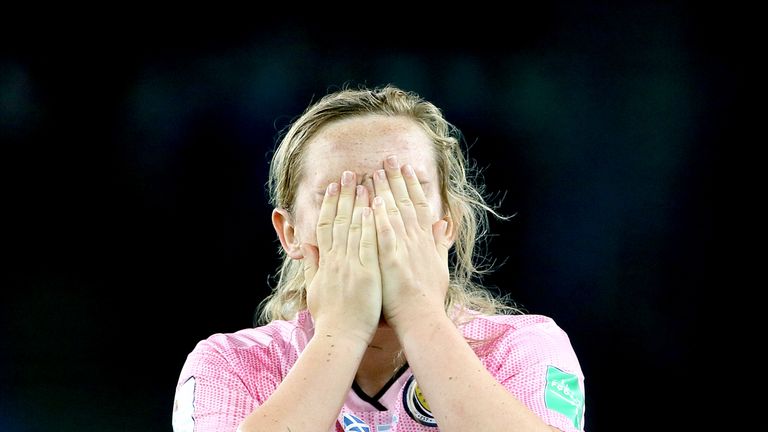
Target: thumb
x,y
442,238
310,261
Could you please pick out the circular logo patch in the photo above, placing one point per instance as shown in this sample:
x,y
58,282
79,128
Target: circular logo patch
x,y
415,404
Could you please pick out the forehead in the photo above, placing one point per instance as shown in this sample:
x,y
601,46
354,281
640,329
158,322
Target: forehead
x,y
361,144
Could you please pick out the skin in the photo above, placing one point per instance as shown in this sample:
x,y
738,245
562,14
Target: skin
x,y
374,245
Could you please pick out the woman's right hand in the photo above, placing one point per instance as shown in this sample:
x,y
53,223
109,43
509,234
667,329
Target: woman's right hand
x,y
342,273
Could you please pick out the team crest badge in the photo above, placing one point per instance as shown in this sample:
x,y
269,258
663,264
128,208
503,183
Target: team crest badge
x,y
415,404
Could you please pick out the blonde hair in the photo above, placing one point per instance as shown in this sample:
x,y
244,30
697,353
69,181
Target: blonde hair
x,y
463,201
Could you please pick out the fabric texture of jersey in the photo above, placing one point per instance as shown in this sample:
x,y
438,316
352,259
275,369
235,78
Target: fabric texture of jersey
x,y
226,376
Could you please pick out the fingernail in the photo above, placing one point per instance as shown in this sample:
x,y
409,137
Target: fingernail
x,y
409,170
366,211
392,162
381,175
359,190
347,177
333,188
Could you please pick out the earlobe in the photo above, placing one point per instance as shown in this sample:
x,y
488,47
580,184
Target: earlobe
x,y
281,221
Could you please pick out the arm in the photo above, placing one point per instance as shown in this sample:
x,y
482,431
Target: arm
x,y
344,298
311,395
212,395
462,394
413,251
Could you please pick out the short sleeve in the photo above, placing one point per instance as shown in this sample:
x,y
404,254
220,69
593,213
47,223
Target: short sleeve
x,y
537,364
216,390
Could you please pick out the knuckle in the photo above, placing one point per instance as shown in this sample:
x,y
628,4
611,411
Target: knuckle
x,y
341,219
366,244
323,224
385,231
405,202
422,205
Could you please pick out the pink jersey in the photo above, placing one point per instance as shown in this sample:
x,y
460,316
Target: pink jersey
x,y
228,375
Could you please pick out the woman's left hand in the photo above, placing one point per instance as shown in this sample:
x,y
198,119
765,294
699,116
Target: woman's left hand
x,y
413,247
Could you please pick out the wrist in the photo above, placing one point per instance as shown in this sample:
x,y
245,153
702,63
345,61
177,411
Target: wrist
x,y
339,336
417,320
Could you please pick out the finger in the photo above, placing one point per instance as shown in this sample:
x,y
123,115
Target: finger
x,y
442,238
344,210
362,197
356,227
324,228
416,192
369,254
385,234
309,262
400,191
381,186
368,183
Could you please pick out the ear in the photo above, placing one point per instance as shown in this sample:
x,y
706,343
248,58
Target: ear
x,y
450,230
281,221
444,236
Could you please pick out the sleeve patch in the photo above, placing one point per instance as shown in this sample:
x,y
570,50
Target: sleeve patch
x,y
565,395
184,407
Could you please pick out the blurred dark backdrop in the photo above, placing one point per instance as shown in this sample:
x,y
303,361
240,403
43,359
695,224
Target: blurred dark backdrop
x,y
134,157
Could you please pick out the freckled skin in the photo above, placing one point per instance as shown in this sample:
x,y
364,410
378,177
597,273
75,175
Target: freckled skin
x,y
462,394
360,144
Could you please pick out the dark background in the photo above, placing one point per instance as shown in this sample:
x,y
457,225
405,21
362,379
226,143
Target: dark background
x,y
134,157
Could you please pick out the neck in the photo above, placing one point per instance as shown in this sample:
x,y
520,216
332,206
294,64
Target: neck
x,y
380,361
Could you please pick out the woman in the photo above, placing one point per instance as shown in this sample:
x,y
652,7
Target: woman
x,y
373,325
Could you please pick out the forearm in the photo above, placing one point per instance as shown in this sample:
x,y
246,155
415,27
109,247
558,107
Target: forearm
x,y
461,393
311,395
